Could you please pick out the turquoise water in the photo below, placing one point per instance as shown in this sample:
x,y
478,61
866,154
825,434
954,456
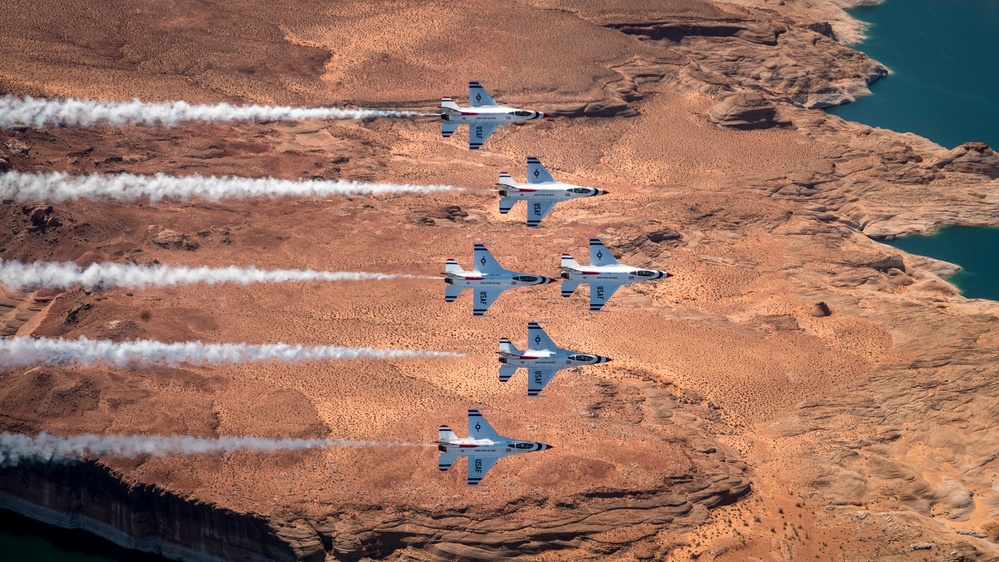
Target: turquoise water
x,y
943,87
976,246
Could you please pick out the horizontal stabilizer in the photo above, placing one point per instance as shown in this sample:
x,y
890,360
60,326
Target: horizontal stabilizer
x,y
569,287
452,292
506,371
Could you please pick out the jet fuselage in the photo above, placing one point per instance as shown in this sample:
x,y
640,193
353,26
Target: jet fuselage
x,y
617,274
511,279
469,447
496,114
550,191
559,359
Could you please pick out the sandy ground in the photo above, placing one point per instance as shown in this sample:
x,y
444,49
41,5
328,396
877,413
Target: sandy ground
x,y
862,433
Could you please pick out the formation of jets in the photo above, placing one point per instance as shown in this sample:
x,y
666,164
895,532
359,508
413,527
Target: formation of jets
x,y
487,280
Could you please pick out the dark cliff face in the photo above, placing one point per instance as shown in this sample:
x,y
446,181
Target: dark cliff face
x,y
90,497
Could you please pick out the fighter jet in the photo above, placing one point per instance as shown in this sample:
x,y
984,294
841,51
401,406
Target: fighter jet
x,y
542,359
541,191
483,447
604,274
483,115
488,280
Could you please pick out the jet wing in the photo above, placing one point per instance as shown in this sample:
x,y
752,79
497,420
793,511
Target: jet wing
x,y
478,466
599,254
536,210
479,428
537,379
448,128
536,172
538,339
484,261
478,97
484,298
600,293
478,133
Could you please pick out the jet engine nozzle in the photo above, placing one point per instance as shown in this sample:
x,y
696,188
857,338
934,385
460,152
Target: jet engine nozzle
x,y
564,275
441,448
445,117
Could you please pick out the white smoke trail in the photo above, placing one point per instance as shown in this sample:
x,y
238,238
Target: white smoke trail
x,y
18,275
22,351
16,448
70,112
58,186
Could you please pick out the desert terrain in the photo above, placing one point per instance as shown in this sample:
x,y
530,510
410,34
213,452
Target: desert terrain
x,y
737,420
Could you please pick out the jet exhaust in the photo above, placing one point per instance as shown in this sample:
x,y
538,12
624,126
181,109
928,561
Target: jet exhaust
x,y
71,112
16,448
22,351
36,275
58,187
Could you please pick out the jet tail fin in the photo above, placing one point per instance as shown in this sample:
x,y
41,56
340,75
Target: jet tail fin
x,y
448,105
506,180
568,262
445,435
451,266
507,347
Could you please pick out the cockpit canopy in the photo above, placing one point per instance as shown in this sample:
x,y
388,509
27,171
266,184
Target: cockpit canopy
x,y
645,273
521,445
526,278
579,190
581,357
522,113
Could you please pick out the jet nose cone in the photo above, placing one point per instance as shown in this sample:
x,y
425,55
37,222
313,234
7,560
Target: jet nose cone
x,y
602,192
544,446
666,274
546,280
605,359
541,115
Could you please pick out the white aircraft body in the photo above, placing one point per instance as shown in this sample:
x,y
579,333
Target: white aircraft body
x,y
542,359
604,274
482,115
541,191
483,447
488,280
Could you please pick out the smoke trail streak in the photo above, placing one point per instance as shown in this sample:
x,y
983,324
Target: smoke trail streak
x,y
22,351
58,186
18,275
70,112
16,448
